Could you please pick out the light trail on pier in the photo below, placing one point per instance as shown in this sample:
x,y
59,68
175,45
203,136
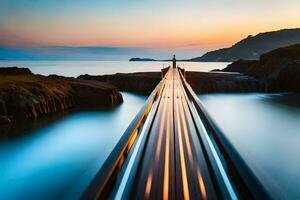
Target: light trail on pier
x,y
170,152
170,167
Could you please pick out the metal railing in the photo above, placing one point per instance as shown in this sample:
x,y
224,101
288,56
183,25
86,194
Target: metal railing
x,y
105,179
245,183
241,182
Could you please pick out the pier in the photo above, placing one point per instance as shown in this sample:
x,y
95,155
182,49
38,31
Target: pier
x,y
173,150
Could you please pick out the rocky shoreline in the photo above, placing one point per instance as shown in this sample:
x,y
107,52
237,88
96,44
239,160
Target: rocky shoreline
x,y
24,95
217,82
201,82
140,82
278,70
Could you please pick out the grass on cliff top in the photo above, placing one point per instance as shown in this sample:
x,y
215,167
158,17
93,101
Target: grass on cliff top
x,y
23,78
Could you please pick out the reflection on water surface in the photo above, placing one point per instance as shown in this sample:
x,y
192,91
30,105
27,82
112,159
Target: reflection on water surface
x,y
58,160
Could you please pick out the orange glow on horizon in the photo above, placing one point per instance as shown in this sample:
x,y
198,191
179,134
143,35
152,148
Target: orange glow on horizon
x,y
175,24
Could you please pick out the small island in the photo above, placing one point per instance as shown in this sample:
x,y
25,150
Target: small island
x,y
141,59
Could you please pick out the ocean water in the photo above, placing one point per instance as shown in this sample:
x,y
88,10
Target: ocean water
x,y
76,68
57,157
59,160
265,129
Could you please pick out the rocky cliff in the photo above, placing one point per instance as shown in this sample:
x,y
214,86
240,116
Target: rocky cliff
x,y
279,69
213,82
24,95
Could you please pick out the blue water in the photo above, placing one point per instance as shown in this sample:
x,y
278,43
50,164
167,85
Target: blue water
x,y
265,129
59,160
76,68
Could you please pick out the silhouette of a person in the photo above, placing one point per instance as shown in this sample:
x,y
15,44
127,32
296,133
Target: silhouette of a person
x,y
174,61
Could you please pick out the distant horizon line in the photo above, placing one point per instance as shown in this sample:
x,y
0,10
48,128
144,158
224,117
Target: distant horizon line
x,y
94,53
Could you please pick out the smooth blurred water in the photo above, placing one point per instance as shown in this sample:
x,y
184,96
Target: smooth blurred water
x,y
59,160
76,68
265,129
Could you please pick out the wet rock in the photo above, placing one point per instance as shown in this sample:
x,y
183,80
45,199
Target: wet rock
x,y
241,66
289,78
278,69
213,82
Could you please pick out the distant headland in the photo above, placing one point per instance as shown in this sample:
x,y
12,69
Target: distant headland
x,y
250,48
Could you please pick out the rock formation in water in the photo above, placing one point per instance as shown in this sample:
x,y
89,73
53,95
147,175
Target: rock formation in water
x,y
140,82
279,69
212,82
24,95
201,82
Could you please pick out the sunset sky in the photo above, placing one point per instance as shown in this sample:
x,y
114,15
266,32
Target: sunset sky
x,y
191,24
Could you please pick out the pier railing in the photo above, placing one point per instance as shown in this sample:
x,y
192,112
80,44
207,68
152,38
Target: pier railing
x,y
244,182
231,176
105,179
